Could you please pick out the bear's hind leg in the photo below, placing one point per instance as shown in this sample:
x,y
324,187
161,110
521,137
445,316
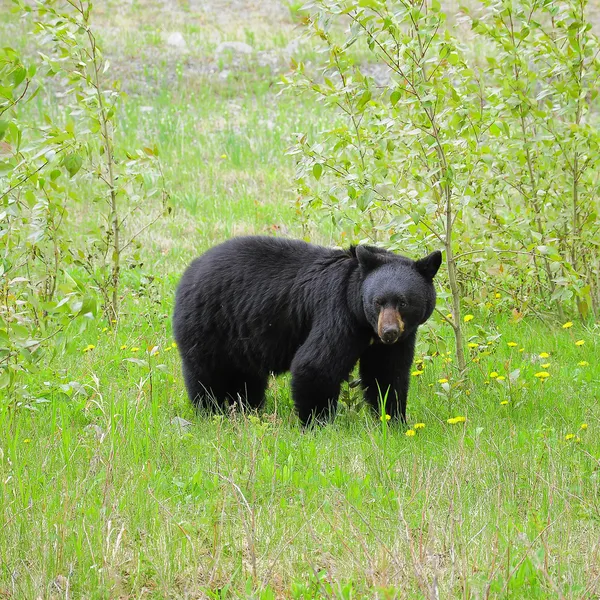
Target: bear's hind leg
x,y
204,389
247,389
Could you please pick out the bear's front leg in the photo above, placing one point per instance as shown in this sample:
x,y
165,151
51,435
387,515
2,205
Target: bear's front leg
x,y
385,374
318,370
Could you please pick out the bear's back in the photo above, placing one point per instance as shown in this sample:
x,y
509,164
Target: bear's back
x,y
254,298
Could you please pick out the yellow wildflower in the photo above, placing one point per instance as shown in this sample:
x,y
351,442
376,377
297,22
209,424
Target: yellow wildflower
x,y
544,355
493,374
511,344
135,349
385,417
468,318
26,440
123,347
567,325
542,375
498,295
174,345
545,365
443,380
569,436
416,373
455,420
580,342
504,402
419,426
521,349
473,345
89,347
410,432
449,316
583,426
104,329
583,363
500,378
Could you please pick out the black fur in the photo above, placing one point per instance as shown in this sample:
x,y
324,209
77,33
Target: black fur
x,y
255,305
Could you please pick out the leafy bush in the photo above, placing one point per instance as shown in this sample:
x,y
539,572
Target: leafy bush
x,y
54,167
488,148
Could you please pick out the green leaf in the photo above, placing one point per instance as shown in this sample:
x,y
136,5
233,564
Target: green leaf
x,y
3,127
4,379
72,163
366,96
19,75
395,96
317,170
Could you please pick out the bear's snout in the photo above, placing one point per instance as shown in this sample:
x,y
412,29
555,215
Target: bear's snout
x,y
389,325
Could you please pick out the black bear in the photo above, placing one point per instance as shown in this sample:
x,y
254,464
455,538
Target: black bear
x,y
258,305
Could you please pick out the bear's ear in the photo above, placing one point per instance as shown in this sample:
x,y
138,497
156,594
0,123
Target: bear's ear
x,y
429,265
369,258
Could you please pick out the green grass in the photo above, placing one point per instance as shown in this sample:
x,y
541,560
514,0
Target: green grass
x,y
104,495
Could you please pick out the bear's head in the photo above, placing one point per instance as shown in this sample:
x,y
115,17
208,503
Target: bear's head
x,y
397,293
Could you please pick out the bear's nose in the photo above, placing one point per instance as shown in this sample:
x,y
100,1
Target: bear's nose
x,y
390,335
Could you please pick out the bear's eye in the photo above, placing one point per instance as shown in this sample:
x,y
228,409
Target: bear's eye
x,y
377,303
402,303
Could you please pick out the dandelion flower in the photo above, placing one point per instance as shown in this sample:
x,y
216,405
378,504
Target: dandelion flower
x,y
135,349
473,345
476,359
104,329
504,402
511,344
26,440
545,365
443,380
385,417
580,342
542,375
583,363
89,347
468,318
583,426
411,432
569,436
497,295
447,360
567,325
544,355
174,345
500,378
419,426
416,373
493,374
223,155
521,349
123,347
455,420
449,316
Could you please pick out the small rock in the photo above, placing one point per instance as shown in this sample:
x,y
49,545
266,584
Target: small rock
x,y
181,423
236,48
177,40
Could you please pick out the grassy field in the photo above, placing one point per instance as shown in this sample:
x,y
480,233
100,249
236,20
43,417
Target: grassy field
x,y
111,486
